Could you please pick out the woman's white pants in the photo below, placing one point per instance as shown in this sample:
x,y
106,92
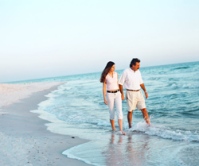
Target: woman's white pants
x,y
115,100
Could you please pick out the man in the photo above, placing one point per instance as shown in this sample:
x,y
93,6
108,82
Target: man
x,y
132,81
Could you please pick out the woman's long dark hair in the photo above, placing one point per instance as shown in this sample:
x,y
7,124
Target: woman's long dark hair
x,y
106,70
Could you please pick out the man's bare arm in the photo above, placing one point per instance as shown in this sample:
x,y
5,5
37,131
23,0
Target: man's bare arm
x,y
144,89
121,91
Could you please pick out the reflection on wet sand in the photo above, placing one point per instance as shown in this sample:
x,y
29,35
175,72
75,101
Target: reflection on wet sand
x,y
127,150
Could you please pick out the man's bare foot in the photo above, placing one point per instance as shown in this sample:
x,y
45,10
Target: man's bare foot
x,y
148,121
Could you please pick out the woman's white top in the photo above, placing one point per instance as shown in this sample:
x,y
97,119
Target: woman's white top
x,y
112,82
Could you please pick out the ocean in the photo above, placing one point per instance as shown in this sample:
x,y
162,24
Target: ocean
x,y
76,108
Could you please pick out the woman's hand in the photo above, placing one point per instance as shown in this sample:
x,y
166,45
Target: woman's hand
x,y
105,101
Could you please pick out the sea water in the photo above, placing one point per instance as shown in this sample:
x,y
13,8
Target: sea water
x,y
76,108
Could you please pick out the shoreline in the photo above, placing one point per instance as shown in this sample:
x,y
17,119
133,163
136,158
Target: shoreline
x,y
26,140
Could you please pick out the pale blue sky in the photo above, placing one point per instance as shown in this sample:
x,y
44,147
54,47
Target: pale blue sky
x,y
47,38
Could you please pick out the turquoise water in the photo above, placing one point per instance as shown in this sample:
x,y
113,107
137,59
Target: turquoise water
x,y
76,108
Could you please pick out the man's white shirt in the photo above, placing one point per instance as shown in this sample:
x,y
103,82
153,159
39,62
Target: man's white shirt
x,y
131,79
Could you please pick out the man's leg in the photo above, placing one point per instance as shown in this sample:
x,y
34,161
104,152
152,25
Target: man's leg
x,y
142,106
130,118
145,115
131,106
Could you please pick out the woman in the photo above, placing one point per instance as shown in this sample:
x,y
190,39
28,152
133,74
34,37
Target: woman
x,y
112,95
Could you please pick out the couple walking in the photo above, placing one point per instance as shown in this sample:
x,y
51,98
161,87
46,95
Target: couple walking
x,y
113,93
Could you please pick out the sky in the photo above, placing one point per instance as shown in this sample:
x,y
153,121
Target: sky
x,y
49,38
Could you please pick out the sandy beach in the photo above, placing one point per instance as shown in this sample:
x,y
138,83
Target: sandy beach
x,y
65,122
24,137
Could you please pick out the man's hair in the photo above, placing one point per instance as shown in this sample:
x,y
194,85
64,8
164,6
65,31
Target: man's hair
x,y
133,62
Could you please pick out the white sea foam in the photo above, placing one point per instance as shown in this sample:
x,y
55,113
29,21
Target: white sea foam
x,y
166,133
75,151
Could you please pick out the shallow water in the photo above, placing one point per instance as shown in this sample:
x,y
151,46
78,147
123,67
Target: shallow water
x,y
77,109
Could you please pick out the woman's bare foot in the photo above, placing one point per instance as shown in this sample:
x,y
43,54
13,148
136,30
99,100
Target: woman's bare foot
x,y
122,133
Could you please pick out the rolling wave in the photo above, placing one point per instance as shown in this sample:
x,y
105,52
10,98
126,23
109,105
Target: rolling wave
x,y
166,133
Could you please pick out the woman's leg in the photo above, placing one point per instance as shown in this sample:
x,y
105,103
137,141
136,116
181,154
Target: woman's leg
x,y
120,123
118,104
110,99
112,124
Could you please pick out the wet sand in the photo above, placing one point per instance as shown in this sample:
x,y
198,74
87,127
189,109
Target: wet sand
x,y
25,139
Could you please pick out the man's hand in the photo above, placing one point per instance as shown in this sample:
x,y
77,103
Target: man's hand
x,y
122,95
146,94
